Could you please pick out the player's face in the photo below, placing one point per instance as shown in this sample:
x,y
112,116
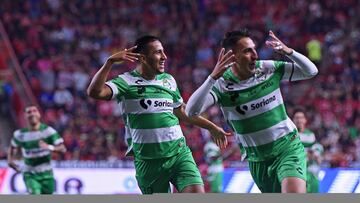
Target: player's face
x,y
245,56
300,120
155,57
32,115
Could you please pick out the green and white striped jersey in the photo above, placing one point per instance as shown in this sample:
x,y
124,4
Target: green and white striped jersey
x,y
148,105
309,141
36,160
213,157
127,135
255,109
307,138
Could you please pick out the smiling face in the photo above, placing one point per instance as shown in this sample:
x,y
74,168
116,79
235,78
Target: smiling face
x,y
154,58
245,57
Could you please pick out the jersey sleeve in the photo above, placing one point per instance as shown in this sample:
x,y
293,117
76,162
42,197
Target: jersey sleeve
x,y
118,87
292,72
178,100
174,88
15,142
55,138
269,67
214,92
289,71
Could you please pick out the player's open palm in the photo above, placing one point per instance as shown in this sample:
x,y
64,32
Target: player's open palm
x,y
218,135
277,45
125,55
224,62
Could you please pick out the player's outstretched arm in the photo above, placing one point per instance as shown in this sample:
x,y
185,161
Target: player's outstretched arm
x,y
10,158
303,68
55,148
97,88
201,99
218,135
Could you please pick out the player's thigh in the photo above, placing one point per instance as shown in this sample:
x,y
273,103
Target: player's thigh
x,y
151,176
33,186
293,185
264,177
292,163
185,172
48,186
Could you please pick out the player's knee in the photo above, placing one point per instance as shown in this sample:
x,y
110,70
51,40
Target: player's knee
x,y
193,189
293,185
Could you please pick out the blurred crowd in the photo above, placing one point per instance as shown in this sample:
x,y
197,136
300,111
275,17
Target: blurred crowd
x,y
61,44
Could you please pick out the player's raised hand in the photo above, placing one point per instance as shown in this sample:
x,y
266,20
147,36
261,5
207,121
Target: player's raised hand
x,y
124,55
278,45
224,62
218,135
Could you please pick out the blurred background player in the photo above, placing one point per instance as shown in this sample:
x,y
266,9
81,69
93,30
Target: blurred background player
x,y
152,104
214,159
313,149
212,154
36,142
248,92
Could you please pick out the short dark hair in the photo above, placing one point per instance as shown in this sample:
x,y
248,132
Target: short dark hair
x,y
31,105
142,43
232,37
299,109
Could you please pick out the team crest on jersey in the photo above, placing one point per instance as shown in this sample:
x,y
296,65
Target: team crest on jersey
x,y
166,83
260,74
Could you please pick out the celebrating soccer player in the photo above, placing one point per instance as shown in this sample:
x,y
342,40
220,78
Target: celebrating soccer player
x,y
248,92
152,104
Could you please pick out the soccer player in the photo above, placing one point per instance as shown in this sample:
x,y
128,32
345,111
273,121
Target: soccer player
x,y
153,106
214,158
36,142
314,151
212,154
248,92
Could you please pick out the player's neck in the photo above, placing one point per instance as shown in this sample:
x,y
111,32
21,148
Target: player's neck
x,y
145,73
240,75
34,127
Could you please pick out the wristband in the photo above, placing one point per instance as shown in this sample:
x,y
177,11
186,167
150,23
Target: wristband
x,y
51,147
